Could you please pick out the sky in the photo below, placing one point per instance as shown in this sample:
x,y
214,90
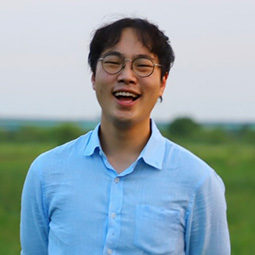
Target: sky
x,y
44,47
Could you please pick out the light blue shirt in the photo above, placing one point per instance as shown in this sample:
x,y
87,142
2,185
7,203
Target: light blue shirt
x,y
168,202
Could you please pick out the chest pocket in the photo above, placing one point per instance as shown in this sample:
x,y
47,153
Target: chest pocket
x,y
157,230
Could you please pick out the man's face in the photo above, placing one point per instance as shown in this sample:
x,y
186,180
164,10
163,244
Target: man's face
x,y
113,90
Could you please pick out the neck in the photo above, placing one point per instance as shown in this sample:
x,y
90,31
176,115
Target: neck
x,y
122,144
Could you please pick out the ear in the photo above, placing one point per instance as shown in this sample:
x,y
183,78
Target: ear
x,y
93,79
163,83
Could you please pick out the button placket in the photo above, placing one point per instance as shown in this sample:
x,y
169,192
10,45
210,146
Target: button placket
x,y
109,251
115,205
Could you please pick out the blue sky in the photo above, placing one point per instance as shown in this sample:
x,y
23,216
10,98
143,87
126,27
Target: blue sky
x,y
44,47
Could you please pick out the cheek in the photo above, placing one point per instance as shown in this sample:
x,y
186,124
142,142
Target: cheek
x,y
102,87
155,89
101,77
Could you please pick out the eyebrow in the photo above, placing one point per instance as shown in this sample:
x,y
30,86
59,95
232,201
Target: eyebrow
x,y
113,53
117,53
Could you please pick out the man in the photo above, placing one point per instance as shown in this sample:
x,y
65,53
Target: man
x,y
123,188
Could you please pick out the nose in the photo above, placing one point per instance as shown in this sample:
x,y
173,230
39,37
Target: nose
x,y
127,75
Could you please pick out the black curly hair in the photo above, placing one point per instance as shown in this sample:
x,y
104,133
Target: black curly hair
x,y
149,34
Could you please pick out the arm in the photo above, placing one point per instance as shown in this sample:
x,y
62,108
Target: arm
x,y
34,220
207,224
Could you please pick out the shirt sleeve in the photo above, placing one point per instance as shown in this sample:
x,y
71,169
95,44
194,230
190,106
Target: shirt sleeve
x,y
208,229
34,220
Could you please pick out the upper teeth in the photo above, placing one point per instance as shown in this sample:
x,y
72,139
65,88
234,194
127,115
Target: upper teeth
x,y
125,94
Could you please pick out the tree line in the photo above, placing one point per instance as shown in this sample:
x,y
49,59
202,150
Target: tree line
x,y
181,129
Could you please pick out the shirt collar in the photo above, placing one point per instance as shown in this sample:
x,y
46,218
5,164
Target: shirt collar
x,y
154,150
152,153
93,142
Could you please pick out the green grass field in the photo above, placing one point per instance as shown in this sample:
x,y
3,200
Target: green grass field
x,y
235,163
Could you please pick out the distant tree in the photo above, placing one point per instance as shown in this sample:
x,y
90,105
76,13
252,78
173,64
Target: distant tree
x,y
247,133
3,135
215,136
184,127
65,132
30,134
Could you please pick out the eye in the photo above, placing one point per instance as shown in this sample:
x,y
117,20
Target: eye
x,y
112,60
143,62
112,63
143,65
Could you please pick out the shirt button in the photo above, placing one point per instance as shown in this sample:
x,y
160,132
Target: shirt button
x,y
109,251
116,180
113,215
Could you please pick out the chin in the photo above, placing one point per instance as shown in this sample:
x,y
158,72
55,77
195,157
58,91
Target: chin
x,y
123,121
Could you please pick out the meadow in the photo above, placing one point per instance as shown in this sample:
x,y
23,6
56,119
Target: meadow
x,y
233,161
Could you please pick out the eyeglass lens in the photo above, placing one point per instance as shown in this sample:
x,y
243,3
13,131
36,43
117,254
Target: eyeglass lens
x,y
113,64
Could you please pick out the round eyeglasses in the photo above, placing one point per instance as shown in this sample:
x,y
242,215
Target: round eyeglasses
x,y
114,63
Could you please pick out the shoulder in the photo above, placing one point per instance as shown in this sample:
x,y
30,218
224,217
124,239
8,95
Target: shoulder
x,y
192,169
56,156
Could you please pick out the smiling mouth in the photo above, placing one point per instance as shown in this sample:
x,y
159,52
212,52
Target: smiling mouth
x,y
124,95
